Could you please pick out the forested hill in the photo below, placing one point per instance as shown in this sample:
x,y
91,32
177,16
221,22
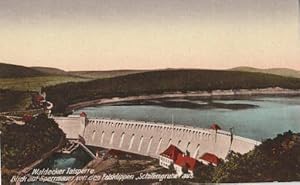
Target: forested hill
x,y
16,71
276,71
165,81
275,159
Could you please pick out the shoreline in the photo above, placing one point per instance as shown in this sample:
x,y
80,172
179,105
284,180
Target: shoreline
x,y
204,94
27,169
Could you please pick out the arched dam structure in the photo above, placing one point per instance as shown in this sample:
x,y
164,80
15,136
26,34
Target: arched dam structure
x,y
150,139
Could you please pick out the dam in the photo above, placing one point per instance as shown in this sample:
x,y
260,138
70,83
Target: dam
x,y
150,139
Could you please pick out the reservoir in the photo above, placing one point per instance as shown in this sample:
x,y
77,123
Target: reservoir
x,y
257,118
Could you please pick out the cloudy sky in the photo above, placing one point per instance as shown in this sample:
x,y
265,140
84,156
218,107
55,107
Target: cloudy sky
x,y
144,34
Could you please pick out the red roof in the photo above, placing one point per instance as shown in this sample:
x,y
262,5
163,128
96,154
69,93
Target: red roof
x,y
186,161
39,98
172,152
83,114
215,127
211,158
27,118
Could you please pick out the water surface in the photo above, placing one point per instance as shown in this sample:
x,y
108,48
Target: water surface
x,y
257,118
76,160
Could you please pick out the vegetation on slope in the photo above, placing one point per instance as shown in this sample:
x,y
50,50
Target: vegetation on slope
x,y
104,74
13,100
276,71
17,82
16,71
35,83
15,93
275,159
155,82
21,145
50,70
21,78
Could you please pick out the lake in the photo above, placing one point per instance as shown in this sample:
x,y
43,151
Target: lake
x,y
258,118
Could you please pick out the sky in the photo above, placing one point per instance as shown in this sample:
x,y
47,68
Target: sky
x,y
150,34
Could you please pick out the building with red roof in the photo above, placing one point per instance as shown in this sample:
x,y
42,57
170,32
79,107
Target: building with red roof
x,y
38,100
83,114
174,156
185,162
209,158
172,152
168,157
27,118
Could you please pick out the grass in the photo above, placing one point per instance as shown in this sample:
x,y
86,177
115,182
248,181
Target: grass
x,y
35,83
19,95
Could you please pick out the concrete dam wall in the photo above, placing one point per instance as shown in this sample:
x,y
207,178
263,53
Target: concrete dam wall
x,y
150,139
73,127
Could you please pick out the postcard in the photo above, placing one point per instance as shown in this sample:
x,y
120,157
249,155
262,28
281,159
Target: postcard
x,y
149,92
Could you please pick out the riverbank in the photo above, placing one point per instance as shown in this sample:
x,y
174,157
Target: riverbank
x,y
44,157
204,94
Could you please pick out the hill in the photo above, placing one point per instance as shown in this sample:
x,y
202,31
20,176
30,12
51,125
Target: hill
x,y
276,71
157,82
104,74
274,160
25,144
50,71
17,71
35,83
21,78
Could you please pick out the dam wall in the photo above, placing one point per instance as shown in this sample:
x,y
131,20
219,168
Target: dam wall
x,y
150,139
72,126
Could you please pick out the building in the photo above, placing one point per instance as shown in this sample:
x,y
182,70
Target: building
x,y
27,118
181,162
185,164
209,158
167,158
37,100
83,114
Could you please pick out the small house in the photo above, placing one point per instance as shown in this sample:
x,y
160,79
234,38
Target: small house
x,y
168,157
181,162
209,158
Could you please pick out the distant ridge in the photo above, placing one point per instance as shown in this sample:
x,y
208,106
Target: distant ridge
x,y
50,70
17,71
276,71
164,81
105,74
